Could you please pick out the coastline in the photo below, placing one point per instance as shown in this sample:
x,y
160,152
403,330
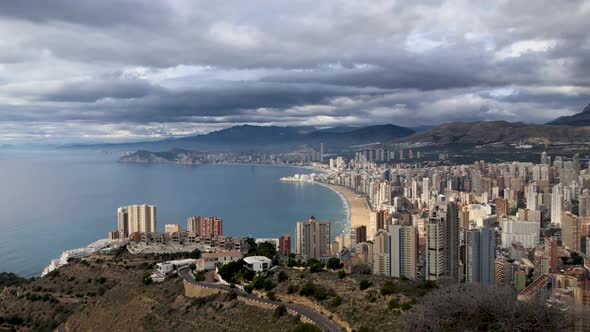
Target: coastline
x,y
358,212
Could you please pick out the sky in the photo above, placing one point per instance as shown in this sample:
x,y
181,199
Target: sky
x,y
93,71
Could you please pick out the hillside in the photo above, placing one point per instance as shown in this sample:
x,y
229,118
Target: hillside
x,y
579,119
487,132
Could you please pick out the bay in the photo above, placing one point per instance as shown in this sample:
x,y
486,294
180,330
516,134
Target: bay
x,y
55,201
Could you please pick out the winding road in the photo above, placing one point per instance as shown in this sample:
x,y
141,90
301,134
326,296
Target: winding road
x,y
320,320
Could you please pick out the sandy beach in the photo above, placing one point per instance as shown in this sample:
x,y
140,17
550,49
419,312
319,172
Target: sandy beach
x,y
358,208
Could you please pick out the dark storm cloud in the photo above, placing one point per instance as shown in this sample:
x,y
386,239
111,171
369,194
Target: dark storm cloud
x,y
136,69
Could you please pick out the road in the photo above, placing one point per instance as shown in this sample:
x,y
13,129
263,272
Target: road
x,y
320,320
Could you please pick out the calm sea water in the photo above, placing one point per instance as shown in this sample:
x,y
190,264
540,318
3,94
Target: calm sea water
x,y
53,201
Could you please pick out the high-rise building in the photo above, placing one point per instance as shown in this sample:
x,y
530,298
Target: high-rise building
x,y
381,249
442,241
205,226
501,207
435,266
480,249
360,234
531,198
453,240
312,238
403,251
285,245
123,223
571,232
172,228
544,159
376,222
557,204
525,232
142,219
321,152
584,205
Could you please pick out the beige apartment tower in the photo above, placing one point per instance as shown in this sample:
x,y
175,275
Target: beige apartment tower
x,y
142,218
312,238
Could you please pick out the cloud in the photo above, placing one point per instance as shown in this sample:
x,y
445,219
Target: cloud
x,y
127,70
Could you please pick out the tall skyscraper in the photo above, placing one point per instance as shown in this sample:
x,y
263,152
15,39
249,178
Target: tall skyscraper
x,y
453,241
205,226
571,232
360,234
381,250
312,238
584,203
142,219
531,198
285,245
321,152
480,247
557,204
442,241
123,223
403,251
435,265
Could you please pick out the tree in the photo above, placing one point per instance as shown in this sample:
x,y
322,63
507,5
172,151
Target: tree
x,y
266,249
333,263
341,274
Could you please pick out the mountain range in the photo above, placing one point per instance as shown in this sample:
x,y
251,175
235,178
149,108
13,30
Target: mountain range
x,y
579,119
568,129
269,138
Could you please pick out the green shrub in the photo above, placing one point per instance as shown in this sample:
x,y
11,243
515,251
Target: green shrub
x,y
282,276
337,301
280,311
341,274
292,289
268,285
307,289
271,296
334,263
364,284
393,304
388,288
258,282
248,288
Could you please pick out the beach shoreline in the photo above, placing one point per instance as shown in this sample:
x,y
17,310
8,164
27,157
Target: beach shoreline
x,y
358,212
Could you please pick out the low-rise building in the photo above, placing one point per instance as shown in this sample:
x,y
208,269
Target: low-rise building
x,y
257,264
210,260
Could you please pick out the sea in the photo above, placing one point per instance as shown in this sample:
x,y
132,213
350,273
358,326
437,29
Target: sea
x,y
52,201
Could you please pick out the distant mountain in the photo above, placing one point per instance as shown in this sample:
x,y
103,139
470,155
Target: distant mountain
x,y
487,132
269,138
174,155
579,120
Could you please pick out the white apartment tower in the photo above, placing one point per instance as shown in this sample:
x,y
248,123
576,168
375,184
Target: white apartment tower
x,y
557,204
403,251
